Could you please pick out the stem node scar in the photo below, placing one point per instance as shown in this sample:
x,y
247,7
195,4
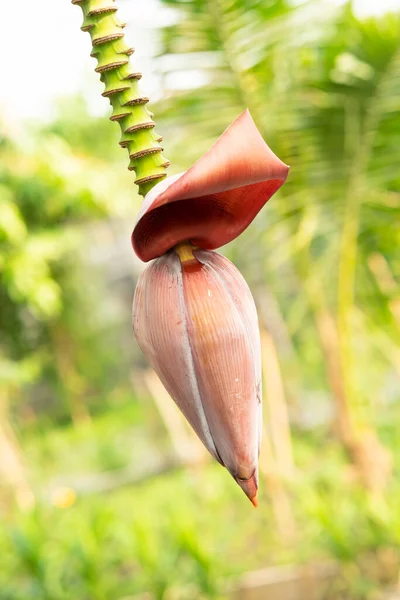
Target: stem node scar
x,y
122,89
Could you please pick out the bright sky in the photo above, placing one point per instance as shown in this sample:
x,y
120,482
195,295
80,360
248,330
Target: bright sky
x,y
45,55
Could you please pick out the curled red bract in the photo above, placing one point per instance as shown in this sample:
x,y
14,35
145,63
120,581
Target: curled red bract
x,y
216,199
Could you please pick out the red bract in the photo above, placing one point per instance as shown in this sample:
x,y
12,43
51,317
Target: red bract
x,y
216,199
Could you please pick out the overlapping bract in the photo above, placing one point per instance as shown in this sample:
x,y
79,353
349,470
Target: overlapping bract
x,y
196,322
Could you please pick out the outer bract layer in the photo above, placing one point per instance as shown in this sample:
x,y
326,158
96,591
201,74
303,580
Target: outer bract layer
x,y
216,199
196,322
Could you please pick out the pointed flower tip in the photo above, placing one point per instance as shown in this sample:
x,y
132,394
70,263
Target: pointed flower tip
x,y
254,501
250,488
216,199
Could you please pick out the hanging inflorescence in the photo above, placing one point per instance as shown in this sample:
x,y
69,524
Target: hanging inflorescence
x,y
122,89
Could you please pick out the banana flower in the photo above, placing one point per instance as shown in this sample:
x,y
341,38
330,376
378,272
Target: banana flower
x,y
193,314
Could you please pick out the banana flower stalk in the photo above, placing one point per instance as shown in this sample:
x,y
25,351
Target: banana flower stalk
x,y
193,314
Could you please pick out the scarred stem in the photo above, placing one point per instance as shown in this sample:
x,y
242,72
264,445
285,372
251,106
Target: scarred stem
x,y
185,251
122,89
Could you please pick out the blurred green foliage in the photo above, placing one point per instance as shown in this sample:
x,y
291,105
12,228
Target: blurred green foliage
x,y
50,193
186,534
323,87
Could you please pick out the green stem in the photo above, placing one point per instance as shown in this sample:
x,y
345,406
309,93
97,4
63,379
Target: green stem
x,y
122,89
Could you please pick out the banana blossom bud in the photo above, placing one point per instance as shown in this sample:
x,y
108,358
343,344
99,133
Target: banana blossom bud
x,y
195,320
193,313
